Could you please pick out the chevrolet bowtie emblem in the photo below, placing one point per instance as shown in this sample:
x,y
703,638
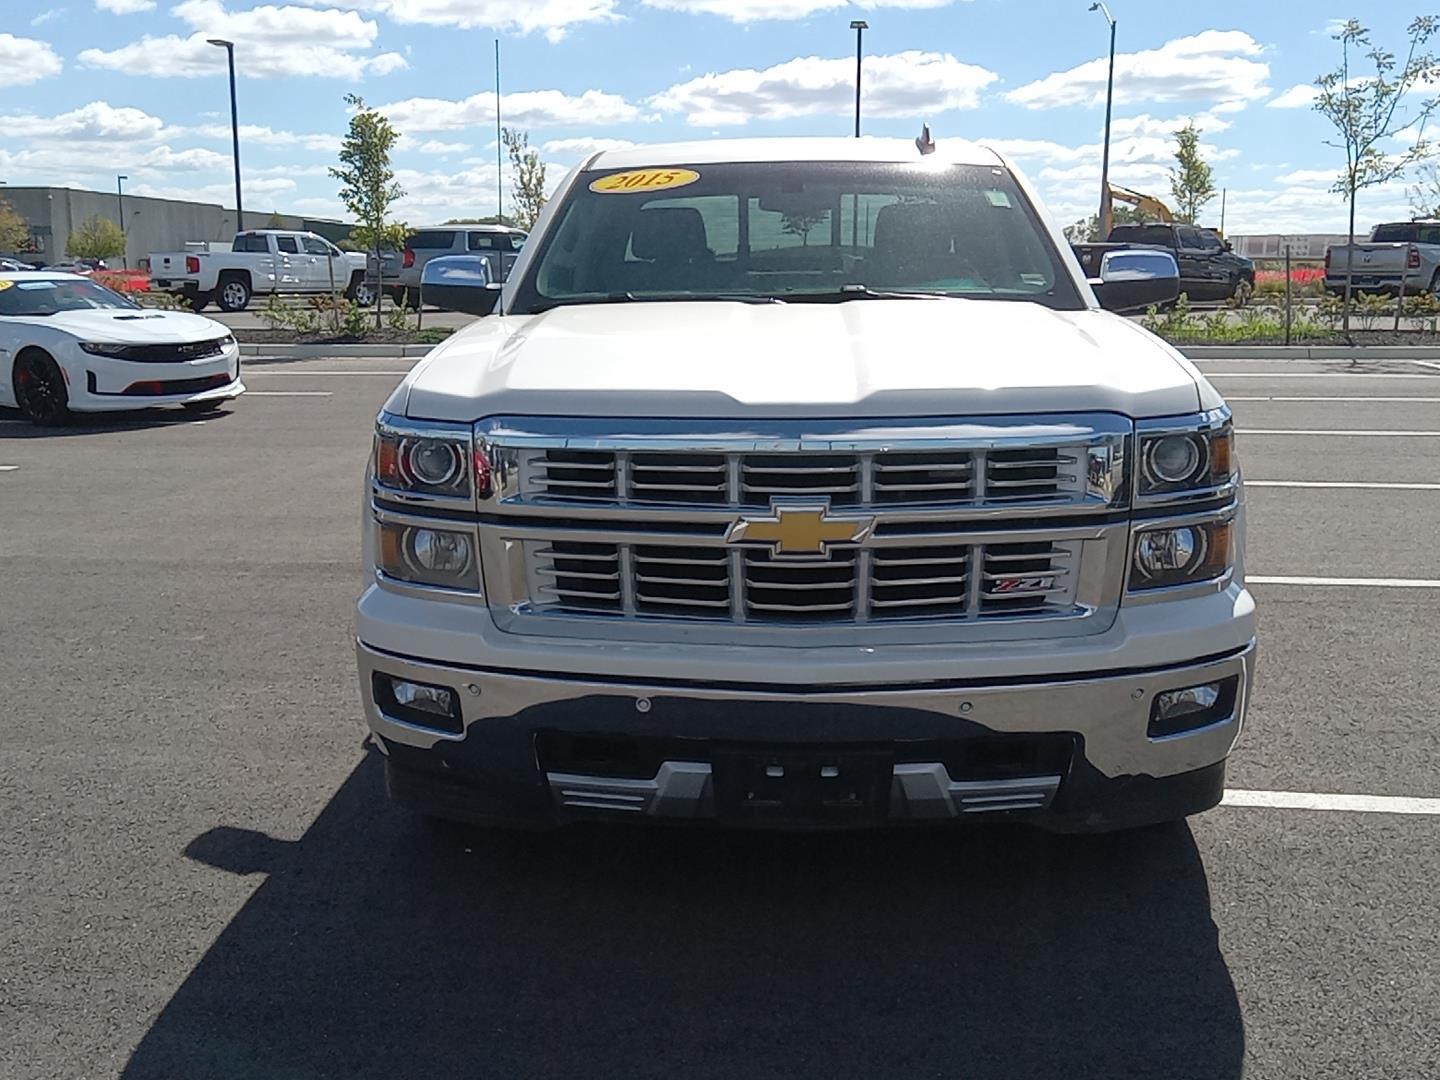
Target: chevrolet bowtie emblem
x,y
798,530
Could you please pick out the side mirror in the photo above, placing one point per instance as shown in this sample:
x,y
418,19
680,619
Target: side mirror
x,y
1132,280
459,283
1228,245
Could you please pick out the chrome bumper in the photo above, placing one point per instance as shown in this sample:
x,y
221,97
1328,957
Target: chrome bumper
x,y
1108,711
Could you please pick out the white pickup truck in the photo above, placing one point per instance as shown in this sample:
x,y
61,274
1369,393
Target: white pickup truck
x,y
261,261
805,483
1399,254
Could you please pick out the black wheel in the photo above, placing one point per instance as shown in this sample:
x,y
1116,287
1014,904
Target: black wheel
x,y
233,294
1243,291
40,390
204,406
412,299
362,292
198,302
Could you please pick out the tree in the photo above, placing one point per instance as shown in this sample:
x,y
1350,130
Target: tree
x,y
14,232
276,221
527,177
1424,194
1367,114
1088,229
1192,184
801,223
96,238
493,219
367,182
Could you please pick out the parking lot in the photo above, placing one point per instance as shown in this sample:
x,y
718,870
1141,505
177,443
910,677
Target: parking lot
x,y
201,877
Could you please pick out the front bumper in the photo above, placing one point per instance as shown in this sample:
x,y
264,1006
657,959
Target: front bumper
x,y
1069,751
104,384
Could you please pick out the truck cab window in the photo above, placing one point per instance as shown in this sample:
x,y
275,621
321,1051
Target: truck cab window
x,y
287,245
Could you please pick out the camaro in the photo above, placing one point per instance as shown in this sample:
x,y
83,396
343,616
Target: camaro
x,y
68,344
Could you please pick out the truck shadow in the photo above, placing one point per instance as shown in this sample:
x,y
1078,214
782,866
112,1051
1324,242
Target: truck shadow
x,y
380,946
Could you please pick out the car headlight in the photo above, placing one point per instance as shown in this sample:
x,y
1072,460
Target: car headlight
x,y
424,458
424,555
1186,458
1180,554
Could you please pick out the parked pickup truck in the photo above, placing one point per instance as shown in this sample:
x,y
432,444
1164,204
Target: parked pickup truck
x,y
400,271
874,519
260,261
1408,250
1209,269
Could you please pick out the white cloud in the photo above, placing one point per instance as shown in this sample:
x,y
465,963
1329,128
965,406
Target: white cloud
x,y
47,16
1309,176
25,60
270,41
575,149
257,191
1148,125
1214,65
526,109
550,17
98,121
744,11
903,84
125,7
266,136
1299,96
430,146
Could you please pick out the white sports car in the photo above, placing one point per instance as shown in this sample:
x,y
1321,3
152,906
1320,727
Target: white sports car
x,y
69,344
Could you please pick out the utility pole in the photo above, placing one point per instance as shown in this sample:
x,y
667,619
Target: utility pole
x,y
1106,211
229,47
499,146
859,26
120,196
1223,192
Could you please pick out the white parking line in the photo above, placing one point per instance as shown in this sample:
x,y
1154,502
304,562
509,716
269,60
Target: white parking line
x,y
1358,485
1326,397
289,393
8,468
1316,375
1314,800
1358,432
1426,364
251,373
1365,583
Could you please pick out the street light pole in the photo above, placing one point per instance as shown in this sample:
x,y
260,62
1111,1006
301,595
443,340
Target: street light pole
x,y
499,146
229,47
859,26
120,195
1106,212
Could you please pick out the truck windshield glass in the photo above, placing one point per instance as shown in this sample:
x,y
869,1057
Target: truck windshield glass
x,y
1162,235
794,231
1406,233
50,296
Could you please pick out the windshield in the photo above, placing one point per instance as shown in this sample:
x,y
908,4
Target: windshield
x,y
1162,235
47,296
1405,233
795,231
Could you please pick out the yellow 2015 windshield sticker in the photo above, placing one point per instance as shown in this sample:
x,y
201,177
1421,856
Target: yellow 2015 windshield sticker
x,y
644,180
5,285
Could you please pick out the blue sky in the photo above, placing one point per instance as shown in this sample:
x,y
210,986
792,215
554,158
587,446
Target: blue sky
x,y
91,88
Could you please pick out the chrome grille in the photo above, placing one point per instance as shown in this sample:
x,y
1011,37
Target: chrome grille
x,y
933,581
887,478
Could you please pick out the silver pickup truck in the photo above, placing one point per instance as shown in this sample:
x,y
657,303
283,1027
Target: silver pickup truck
x,y
1407,251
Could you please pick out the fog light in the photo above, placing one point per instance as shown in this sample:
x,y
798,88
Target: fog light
x,y
1164,551
440,552
418,703
1176,711
431,699
426,556
1180,555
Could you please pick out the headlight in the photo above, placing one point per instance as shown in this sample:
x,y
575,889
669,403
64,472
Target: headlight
x,y
423,458
1180,555
1176,462
427,556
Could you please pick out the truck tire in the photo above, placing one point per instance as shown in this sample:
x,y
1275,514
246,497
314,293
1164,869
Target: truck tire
x,y
360,291
233,292
1242,292
1435,284
197,302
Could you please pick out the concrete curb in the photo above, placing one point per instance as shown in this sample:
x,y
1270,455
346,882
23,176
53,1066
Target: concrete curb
x,y
1310,352
334,352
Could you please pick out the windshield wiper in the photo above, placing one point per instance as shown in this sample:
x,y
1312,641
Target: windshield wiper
x,y
670,298
864,292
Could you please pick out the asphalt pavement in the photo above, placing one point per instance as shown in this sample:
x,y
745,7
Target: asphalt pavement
x,y
200,878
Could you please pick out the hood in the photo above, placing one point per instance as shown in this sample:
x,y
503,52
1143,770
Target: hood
x,y
126,327
858,358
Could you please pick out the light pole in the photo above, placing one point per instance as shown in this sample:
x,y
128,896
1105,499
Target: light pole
x,y
229,47
859,26
499,146
120,196
1105,210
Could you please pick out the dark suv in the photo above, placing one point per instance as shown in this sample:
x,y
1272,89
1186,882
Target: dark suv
x,y
400,270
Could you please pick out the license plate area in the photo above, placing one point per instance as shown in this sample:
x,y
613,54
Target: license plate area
x,y
805,786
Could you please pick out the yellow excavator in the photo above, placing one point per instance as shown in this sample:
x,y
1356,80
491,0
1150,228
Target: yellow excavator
x,y
1148,206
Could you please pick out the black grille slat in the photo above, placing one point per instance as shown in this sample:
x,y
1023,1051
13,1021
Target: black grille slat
x,y
577,474
1023,578
586,577
832,476
920,582
683,581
